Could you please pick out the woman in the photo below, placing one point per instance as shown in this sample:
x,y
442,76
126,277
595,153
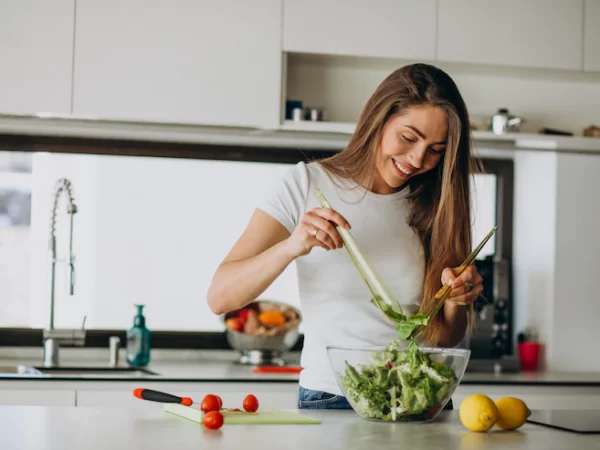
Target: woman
x,y
402,186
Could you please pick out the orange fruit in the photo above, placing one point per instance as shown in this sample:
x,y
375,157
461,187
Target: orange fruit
x,y
271,318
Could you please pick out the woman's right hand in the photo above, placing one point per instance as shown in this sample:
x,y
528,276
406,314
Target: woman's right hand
x,y
317,228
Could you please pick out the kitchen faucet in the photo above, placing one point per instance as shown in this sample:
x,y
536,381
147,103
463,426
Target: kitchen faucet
x,y
54,337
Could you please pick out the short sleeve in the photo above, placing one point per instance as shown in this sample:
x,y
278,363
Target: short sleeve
x,y
286,199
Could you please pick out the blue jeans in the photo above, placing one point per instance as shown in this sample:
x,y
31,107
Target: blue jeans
x,y
309,399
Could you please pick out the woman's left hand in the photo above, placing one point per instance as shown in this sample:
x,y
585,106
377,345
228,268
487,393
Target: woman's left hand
x,y
466,287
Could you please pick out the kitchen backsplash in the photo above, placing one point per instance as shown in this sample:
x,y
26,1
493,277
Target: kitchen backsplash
x,y
151,231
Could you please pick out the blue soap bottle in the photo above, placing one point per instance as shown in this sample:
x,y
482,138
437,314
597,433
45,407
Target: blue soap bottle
x,y
138,340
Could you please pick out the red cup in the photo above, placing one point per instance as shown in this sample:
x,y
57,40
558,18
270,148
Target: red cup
x,y
529,355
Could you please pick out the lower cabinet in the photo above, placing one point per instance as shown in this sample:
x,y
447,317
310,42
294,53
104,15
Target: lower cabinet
x,y
285,395
270,395
536,397
37,397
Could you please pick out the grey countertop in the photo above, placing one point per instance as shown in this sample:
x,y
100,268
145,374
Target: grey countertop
x,y
210,366
90,428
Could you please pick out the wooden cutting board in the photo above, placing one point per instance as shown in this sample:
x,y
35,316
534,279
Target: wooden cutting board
x,y
260,417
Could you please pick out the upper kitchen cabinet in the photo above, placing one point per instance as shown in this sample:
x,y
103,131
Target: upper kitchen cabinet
x,y
210,62
36,54
383,28
526,33
591,36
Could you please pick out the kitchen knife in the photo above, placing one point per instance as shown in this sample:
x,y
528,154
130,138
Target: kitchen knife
x,y
161,397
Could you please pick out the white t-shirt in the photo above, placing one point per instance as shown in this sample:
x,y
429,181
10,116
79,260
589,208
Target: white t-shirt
x,y
334,299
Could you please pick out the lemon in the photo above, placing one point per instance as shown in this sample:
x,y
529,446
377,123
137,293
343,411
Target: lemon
x,y
478,412
512,413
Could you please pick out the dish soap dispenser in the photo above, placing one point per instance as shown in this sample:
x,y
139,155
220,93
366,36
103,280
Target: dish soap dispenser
x,y
138,340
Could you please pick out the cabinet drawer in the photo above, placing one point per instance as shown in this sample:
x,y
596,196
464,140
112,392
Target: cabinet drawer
x,y
536,397
527,33
214,62
382,28
37,397
270,395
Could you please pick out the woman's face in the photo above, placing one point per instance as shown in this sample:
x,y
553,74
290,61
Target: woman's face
x,y
412,143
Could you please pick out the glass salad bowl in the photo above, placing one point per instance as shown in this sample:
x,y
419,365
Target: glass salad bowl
x,y
398,383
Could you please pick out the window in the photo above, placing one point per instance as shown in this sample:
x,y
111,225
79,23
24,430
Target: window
x,y
484,192
15,237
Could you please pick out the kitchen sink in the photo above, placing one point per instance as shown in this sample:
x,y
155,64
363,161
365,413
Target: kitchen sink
x,y
18,370
77,371
96,371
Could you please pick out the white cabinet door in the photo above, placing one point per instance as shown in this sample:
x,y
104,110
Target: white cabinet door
x,y
214,62
528,33
591,36
270,395
36,56
37,397
536,397
382,28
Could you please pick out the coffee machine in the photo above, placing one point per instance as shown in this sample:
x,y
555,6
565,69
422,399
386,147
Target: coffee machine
x,y
490,341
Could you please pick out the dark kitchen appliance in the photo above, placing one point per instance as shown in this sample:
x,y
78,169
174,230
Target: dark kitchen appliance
x,y
575,421
491,339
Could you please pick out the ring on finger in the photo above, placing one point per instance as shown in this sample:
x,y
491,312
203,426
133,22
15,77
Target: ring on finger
x,y
314,233
468,286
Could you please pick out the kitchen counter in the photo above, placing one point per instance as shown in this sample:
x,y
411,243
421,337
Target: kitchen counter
x,y
212,366
65,428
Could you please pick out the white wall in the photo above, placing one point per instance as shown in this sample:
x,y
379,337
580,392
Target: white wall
x,y
534,242
341,85
556,248
148,231
576,308
164,228
154,230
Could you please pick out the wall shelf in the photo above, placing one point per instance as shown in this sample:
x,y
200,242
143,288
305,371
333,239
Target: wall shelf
x,y
518,140
318,127
289,134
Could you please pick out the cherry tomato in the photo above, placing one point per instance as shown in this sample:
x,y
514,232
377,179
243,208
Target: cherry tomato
x,y
250,403
220,402
213,420
210,403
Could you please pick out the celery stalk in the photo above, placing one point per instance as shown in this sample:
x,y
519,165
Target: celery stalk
x,y
372,279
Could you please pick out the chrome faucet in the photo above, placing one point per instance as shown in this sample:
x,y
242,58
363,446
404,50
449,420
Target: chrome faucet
x,y
53,337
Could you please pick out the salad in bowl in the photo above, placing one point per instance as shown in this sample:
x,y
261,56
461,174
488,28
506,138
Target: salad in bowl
x,y
400,382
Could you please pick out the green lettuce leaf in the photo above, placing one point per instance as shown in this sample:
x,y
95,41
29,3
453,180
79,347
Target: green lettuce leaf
x,y
400,381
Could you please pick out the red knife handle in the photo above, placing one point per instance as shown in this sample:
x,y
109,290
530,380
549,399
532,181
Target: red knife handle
x,y
161,397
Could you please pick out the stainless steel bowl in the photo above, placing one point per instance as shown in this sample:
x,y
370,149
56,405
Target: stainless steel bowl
x,y
264,350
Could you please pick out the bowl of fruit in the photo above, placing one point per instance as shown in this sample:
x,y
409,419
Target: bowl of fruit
x,y
401,382
263,331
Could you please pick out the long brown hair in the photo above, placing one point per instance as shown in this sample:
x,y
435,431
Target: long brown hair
x,y
440,198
